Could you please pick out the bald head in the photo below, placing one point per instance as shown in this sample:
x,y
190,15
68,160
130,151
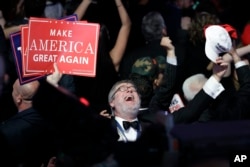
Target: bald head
x,y
24,93
192,85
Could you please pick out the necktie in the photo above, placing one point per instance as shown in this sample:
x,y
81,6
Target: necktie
x,y
127,125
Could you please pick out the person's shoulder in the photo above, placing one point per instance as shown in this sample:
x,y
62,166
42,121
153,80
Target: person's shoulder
x,y
10,126
27,112
20,117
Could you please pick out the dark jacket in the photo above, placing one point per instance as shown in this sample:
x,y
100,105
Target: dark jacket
x,y
25,139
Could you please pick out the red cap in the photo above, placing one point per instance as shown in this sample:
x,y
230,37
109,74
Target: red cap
x,y
231,30
245,36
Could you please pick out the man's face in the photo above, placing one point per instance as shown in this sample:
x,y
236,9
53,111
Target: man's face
x,y
184,3
126,100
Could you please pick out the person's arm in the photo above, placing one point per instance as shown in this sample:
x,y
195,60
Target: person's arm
x,y
243,77
236,55
119,48
162,99
211,90
2,19
241,51
55,77
171,58
238,108
213,87
82,8
10,30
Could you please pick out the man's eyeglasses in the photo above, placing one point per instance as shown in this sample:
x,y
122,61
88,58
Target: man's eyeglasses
x,y
124,88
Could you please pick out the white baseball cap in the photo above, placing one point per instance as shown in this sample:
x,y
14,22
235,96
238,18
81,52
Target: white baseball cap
x,y
218,41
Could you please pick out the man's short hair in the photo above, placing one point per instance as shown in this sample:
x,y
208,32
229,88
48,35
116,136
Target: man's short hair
x,y
152,26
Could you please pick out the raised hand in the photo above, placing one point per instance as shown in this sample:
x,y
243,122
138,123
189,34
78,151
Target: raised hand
x,y
167,43
220,68
105,113
55,77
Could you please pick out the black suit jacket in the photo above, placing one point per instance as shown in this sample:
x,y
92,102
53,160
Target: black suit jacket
x,y
25,139
235,106
147,150
162,99
88,138
81,134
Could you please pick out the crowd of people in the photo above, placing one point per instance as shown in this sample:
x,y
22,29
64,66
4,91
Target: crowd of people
x,y
160,64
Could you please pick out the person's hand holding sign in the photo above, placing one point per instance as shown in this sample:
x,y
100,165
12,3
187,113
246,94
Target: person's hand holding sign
x,y
55,77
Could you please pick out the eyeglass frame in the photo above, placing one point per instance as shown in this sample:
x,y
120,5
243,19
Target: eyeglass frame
x,y
126,88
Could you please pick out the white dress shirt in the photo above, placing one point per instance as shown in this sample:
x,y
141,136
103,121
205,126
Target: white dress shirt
x,y
126,135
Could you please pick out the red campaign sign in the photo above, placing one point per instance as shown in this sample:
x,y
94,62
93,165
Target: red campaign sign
x,y
73,45
24,43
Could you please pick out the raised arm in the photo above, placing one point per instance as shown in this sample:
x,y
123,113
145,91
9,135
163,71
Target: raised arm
x,y
82,8
10,30
240,51
55,77
212,88
119,48
162,98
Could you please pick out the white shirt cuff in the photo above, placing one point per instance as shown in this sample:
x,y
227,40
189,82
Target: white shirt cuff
x,y
213,88
240,64
172,60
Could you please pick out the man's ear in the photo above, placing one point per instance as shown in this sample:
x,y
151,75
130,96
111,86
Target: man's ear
x,y
111,104
18,99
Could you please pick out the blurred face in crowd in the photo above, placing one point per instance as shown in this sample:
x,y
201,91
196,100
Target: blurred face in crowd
x,y
184,3
125,101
